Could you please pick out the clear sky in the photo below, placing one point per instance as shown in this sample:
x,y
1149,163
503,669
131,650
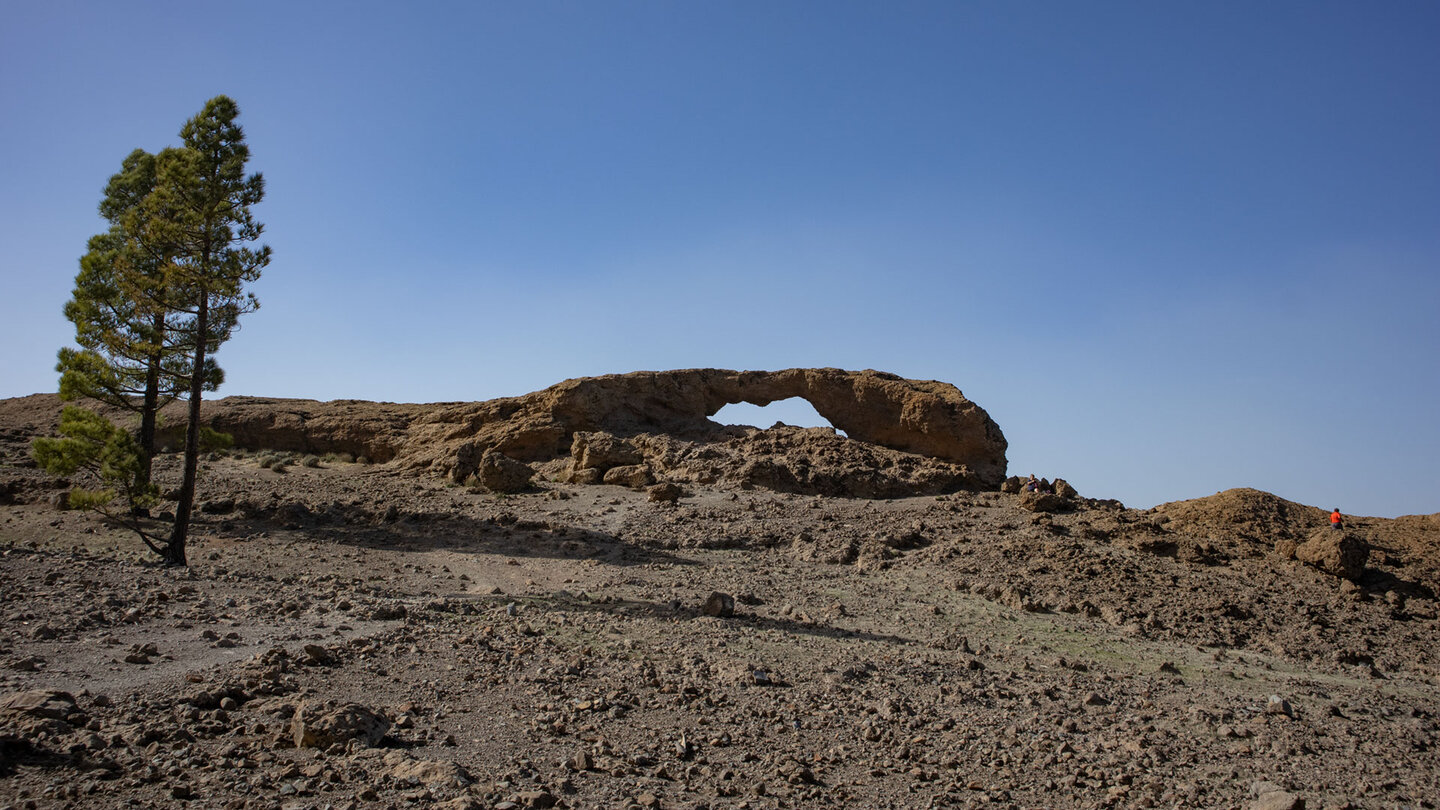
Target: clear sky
x,y
1171,247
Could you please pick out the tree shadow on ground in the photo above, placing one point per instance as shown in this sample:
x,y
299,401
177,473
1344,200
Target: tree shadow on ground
x,y
431,531
569,603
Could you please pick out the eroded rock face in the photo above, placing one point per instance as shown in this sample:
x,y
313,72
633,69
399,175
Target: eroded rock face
x,y
905,436
925,418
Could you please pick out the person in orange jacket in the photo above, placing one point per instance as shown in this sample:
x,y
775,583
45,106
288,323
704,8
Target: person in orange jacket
x,y
1335,519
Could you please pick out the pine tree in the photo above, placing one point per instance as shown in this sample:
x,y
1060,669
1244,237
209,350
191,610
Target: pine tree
x,y
200,212
155,297
130,356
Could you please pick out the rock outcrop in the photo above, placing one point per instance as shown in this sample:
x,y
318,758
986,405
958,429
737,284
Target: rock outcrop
x,y
904,436
928,419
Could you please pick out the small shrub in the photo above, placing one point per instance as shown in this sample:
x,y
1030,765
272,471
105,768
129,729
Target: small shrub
x,y
311,461
211,439
363,460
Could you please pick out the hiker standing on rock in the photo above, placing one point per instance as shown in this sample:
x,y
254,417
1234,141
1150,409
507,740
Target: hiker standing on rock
x,y
1335,520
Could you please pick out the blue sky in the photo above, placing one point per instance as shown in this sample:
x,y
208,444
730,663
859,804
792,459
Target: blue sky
x,y
1172,248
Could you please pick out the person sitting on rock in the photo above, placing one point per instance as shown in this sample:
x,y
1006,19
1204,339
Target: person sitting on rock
x,y
1335,522
1032,484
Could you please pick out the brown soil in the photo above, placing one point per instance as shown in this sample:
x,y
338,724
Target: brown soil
x,y
550,649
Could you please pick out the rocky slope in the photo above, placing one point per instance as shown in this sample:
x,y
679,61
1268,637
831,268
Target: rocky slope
x,y
357,635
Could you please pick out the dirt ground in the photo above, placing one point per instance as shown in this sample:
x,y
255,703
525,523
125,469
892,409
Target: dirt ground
x,y
553,649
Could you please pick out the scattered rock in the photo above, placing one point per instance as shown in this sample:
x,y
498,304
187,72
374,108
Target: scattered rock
x,y
1043,502
1269,796
719,604
31,663
218,506
1279,705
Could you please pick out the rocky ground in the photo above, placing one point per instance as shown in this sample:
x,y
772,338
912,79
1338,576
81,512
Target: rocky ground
x,y
355,636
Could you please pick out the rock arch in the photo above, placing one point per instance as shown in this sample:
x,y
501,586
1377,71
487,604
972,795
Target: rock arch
x,y
927,418
958,440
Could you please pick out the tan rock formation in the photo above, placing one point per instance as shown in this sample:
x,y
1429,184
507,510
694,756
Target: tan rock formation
x,y
910,436
925,418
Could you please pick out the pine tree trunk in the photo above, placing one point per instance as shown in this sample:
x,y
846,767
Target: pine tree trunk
x,y
149,408
175,552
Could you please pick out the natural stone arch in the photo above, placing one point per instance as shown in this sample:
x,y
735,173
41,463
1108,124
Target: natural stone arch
x,y
925,417
792,412
921,417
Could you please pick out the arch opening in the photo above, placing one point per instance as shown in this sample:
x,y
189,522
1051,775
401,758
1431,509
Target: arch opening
x,y
795,412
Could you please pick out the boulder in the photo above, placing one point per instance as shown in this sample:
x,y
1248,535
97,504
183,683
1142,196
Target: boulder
x,y
1043,502
719,604
406,769
665,493
586,477
635,476
500,473
44,704
1064,490
1338,553
601,451
321,726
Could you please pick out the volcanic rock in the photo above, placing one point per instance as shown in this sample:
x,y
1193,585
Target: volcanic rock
x,y
719,604
665,493
601,451
1043,502
322,726
45,704
1338,553
500,473
634,476
404,768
